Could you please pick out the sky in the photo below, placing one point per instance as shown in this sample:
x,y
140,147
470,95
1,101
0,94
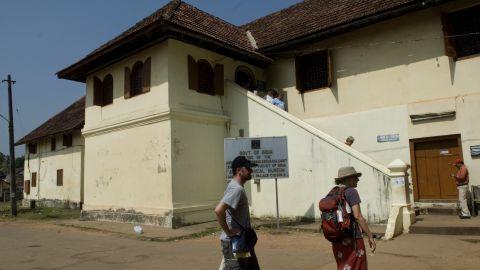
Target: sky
x,y
39,38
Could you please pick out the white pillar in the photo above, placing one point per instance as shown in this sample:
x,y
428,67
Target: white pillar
x,y
401,214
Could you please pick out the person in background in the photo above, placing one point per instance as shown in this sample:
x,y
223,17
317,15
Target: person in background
x,y
349,141
233,214
461,179
278,101
271,94
350,252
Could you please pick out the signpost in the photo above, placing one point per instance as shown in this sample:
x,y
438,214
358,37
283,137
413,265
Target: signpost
x,y
270,153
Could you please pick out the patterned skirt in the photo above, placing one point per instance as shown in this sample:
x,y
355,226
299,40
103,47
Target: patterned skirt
x,y
350,254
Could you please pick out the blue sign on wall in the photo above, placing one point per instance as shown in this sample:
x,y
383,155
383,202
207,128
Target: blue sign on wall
x,y
388,138
475,150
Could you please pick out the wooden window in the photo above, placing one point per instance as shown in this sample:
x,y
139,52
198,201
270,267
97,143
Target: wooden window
x,y
313,71
32,148
67,139
26,186
103,91
53,144
205,79
461,30
107,87
34,179
60,177
138,79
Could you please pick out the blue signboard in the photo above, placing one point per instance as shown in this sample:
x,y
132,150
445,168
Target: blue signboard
x,y
388,138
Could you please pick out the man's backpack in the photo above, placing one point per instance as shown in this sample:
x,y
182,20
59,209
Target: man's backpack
x,y
336,223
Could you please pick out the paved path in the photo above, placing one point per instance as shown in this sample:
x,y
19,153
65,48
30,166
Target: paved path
x,y
29,245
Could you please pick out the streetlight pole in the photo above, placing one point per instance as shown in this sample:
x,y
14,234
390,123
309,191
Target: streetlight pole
x,y
13,181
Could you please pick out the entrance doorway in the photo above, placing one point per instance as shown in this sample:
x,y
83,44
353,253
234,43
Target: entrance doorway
x,y
432,160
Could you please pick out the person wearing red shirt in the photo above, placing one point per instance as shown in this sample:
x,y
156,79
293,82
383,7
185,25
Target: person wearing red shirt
x,y
461,179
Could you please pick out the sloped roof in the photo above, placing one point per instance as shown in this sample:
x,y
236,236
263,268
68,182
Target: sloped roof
x,y
307,19
313,16
70,119
178,18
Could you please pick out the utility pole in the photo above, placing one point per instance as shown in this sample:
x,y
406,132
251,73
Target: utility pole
x,y
13,181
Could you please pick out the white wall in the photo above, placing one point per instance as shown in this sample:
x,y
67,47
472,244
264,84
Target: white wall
x,y
46,163
314,160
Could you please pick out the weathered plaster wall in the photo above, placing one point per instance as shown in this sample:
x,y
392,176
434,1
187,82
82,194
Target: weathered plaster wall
x,y
199,125
46,163
382,74
129,169
314,159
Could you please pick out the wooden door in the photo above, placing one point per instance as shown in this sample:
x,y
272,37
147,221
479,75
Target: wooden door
x,y
433,168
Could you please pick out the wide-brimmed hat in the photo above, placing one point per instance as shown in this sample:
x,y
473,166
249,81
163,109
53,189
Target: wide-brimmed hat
x,y
345,172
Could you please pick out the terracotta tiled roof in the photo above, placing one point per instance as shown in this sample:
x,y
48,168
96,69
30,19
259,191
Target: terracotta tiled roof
x,y
179,16
311,16
70,119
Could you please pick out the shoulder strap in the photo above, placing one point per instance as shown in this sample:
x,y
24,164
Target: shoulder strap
x,y
234,219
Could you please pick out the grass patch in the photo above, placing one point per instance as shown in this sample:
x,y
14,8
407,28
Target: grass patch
x,y
40,213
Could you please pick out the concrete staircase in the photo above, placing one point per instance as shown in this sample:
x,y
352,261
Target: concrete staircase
x,y
445,225
436,208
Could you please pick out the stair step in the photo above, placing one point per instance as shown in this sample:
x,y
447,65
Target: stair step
x,y
446,225
436,208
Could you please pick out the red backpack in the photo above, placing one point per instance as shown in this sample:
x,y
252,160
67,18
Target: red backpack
x,y
336,223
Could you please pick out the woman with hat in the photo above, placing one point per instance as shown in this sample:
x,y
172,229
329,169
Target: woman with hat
x,y
350,252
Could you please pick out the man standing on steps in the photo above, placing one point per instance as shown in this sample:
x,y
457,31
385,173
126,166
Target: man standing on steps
x,y
233,215
461,179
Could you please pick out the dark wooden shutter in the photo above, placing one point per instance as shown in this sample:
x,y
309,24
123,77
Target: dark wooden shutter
x,y
219,81
67,140
147,67
450,48
192,74
34,179
107,86
53,146
97,92
330,68
32,148
60,177
298,74
26,187
127,85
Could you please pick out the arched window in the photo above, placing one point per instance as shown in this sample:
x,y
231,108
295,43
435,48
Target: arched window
x,y
136,79
206,77
107,90
245,78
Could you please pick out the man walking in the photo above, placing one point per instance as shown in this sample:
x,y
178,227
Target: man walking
x,y
233,215
461,179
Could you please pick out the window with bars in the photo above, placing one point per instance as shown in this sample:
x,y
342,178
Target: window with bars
x,y
205,79
313,71
462,32
60,177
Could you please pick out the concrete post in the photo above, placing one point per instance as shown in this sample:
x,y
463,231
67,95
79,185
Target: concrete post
x,y
401,214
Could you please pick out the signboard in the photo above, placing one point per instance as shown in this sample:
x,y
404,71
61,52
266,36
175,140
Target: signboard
x,y
475,150
270,153
388,138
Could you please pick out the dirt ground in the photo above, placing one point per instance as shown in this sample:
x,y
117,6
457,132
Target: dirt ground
x,y
40,245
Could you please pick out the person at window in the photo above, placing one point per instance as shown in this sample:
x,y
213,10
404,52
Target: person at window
x,y
461,179
278,101
271,94
349,141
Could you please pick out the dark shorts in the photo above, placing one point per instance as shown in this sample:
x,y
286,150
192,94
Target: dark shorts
x,y
238,264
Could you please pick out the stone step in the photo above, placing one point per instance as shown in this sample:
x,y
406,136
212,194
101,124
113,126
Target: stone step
x,y
436,208
445,225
